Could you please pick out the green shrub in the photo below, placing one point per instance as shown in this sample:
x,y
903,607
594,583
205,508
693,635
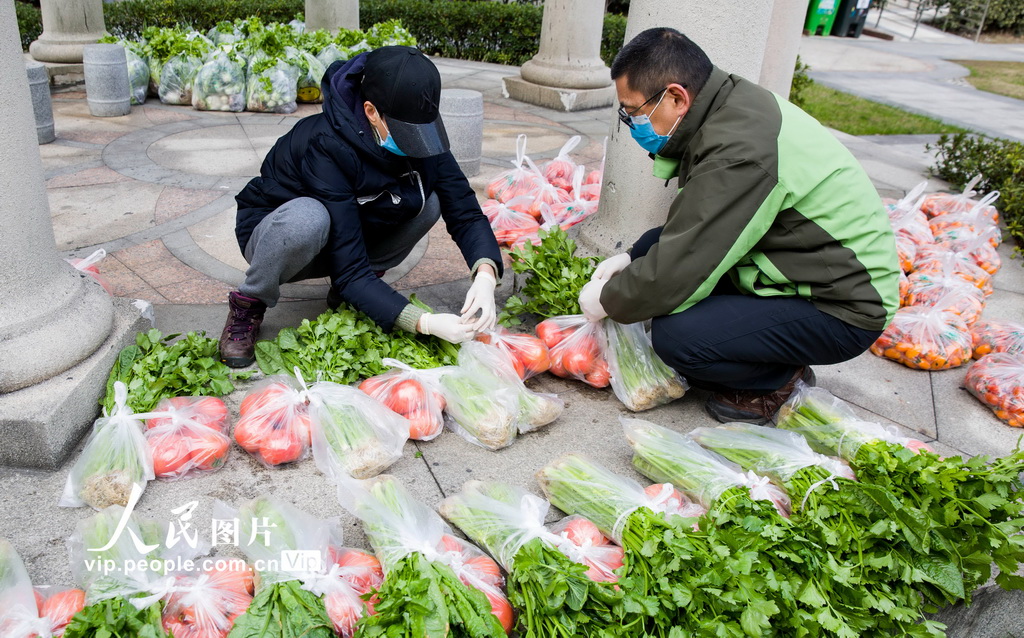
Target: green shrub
x,y
1001,164
30,22
800,82
128,18
1003,15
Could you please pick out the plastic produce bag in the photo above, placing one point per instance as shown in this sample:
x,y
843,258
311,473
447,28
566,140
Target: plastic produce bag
x,y
177,78
361,574
938,204
190,440
529,354
478,571
220,84
577,348
353,434
19,614
271,86
410,393
521,180
926,338
906,252
115,459
483,409
331,54
908,220
273,423
997,336
665,456
308,86
946,292
585,544
939,261
206,604
138,74
89,266
561,170
980,248
510,220
546,193
997,380
570,213
639,378
57,607
978,219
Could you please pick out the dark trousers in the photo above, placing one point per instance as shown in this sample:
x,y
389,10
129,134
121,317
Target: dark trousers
x,y
732,341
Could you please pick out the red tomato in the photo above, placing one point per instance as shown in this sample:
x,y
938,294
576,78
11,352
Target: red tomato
x,y
248,433
372,385
549,333
557,368
234,577
654,492
62,606
363,571
344,610
534,355
501,609
578,363
211,412
423,425
172,455
599,376
260,398
209,448
484,338
484,568
281,446
442,403
580,532
405,396
451,544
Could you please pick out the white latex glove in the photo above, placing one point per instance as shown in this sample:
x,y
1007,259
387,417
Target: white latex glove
x,y
446,326
611,266
590,300
480,298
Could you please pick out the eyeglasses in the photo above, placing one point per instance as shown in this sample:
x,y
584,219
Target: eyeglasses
x,y
627,117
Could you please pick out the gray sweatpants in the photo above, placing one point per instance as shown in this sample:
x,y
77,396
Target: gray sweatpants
x,y
287,245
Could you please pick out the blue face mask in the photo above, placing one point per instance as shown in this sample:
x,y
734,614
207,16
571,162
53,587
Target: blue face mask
x,y
388,143
643,132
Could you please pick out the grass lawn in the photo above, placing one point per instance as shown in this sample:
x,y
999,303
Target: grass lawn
x,y
1003,78
857,116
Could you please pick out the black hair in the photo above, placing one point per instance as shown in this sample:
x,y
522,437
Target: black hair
x,y
661,56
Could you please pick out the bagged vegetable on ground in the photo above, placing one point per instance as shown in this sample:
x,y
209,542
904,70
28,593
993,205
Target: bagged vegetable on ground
x,y
410,393
639,378
521,180
138,72
546,194
938,204
273,423
57,607
940,261
187,440
926,338
570,213
206,604
535,410
220,83
483,409
981,248
208,411
997,336
997,380
421,594
271,85
331,54
88,266
529,354
577,349
977,219
115,458
946,292
907,218
311,72
510,220
362,574
553,593
19,614
587,546
352,433
561,170
177,79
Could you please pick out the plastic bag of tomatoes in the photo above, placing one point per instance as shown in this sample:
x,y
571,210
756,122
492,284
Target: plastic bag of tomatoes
x,y
939,259
926,338
997,380
510,220
360,574
478,571
997,336
520,180
187,436
529,354
273,423
58,606
411,393
948,292
583,543
204,604
577,349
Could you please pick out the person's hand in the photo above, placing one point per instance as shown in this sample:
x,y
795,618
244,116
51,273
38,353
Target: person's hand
x,y
590,300
446,326
480,298
611,266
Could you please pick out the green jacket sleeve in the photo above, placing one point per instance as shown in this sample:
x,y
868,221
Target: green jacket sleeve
x,y
723,210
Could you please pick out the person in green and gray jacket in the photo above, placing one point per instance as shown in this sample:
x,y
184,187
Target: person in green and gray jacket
x,y
776,253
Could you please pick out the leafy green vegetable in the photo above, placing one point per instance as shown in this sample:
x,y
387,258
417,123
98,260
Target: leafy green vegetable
x,y
155,368
345,346
284,610
554,278
116,618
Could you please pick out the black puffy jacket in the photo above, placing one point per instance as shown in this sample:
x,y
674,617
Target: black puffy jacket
x,y
333,157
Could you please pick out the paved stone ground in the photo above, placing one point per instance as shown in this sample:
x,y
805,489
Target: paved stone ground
x,y
155,189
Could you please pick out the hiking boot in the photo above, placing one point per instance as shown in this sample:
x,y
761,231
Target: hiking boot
x,y
334,297
238,341
753,407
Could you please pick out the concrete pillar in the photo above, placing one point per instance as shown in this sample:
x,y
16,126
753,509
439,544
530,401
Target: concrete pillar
x,y
462,112
332,15
42,106
68,25
783,45
734,35
567,73
53,319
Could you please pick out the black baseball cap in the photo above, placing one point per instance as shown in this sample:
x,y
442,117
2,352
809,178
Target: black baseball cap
x,y
405,86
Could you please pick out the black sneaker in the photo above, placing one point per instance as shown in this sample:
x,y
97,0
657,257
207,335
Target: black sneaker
x,y
238,340
745,406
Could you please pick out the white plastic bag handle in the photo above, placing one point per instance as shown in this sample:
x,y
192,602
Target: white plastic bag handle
x,y
569,146
96,257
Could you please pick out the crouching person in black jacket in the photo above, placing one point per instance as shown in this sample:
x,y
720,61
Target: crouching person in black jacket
x,y
347,194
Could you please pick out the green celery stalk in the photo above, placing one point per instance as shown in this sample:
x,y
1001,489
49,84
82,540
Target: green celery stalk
x,y
640,379
477,405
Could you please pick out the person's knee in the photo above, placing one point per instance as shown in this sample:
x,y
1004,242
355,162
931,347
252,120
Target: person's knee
x,y
672,346
304,222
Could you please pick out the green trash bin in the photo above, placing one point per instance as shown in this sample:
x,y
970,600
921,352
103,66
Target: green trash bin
x,y
820,16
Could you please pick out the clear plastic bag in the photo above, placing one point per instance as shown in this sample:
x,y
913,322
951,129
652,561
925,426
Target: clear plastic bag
x,y
478,571
362,574
997,336
208,411
978,219
577,348
516,182
352,433
190,439
138,75
410,393
510,220
88,266
997,380
545,194
925,338
585,544
483,409
205,604
115,459
177,78
908,220
938,204
940,261
57,607
570,213
981,248
906,252
219,84
308,86
561,170
331,54
639,378
273,423
944,291
19,614
529,354
665,456
271,86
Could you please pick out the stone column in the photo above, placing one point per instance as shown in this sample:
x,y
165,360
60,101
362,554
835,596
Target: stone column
x,y
53,319
734,35
567,73
332,15
68,25
783,45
